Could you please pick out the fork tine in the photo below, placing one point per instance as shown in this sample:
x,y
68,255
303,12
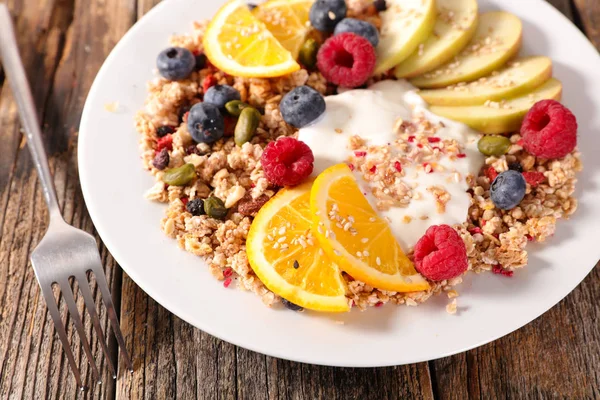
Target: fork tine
x,y
67,293
90,304
110,308
60,329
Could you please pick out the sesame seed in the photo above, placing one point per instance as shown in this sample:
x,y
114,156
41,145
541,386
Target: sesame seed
x,y
282,230
296,264
378,261
372,219
358,254
366,253
281,239
331,15
276,246
270,237
364,240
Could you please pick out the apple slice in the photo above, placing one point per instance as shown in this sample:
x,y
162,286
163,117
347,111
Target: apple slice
x,y
455,26
500,117
521,76
404,25
497,40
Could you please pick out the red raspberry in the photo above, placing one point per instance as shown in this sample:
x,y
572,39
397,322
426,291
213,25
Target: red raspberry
x,y
440,254
346,59
549,130
165,142
287,161
491,173
534,178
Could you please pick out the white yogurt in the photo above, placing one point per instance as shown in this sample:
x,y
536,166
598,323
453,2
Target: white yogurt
x,y
371,114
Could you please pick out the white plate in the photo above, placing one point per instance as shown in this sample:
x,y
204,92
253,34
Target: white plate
x,y
490,306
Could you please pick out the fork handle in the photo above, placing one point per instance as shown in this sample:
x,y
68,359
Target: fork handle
x,y
13,68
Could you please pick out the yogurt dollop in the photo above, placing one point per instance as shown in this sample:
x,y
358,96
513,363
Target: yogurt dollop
x,y
373,116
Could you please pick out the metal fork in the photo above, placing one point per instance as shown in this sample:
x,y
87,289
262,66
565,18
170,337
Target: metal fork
x,y
64,251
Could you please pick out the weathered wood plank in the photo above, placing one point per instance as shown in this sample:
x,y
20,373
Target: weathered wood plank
x,y
588,11
556,356
564,6
55,37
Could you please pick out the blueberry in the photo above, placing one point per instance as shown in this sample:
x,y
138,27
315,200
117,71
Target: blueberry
x,y
361,28
515,166
175,63
205,123
508,189
325,14
195,207
291,306
219,95
302,106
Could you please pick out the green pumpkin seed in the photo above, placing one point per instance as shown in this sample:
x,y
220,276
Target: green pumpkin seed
x,y
235,107
308,53
246,125
215,208
493,145
179,176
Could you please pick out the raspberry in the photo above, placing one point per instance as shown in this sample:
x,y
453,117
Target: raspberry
x,y
346,59
549,130
491,173
440,254
534,178
165,142
287,161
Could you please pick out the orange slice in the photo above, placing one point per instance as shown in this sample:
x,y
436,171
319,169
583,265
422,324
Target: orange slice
x,y
241,45
287,20
355,237
287,257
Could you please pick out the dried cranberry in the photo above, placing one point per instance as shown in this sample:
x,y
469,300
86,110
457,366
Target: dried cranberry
x,y
161,160
192,149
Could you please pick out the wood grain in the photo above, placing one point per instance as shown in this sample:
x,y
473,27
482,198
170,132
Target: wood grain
x,y
588,16
64,42
56,39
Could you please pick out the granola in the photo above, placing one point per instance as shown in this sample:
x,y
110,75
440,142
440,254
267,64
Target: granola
x,y
496,240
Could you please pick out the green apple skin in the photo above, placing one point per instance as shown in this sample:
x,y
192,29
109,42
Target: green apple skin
x,y
494,121
401,35
530,73
449,38
469,66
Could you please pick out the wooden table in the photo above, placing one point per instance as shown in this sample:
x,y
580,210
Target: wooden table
x,y
63,43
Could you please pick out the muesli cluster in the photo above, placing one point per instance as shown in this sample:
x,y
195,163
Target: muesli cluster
x,y
204,131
